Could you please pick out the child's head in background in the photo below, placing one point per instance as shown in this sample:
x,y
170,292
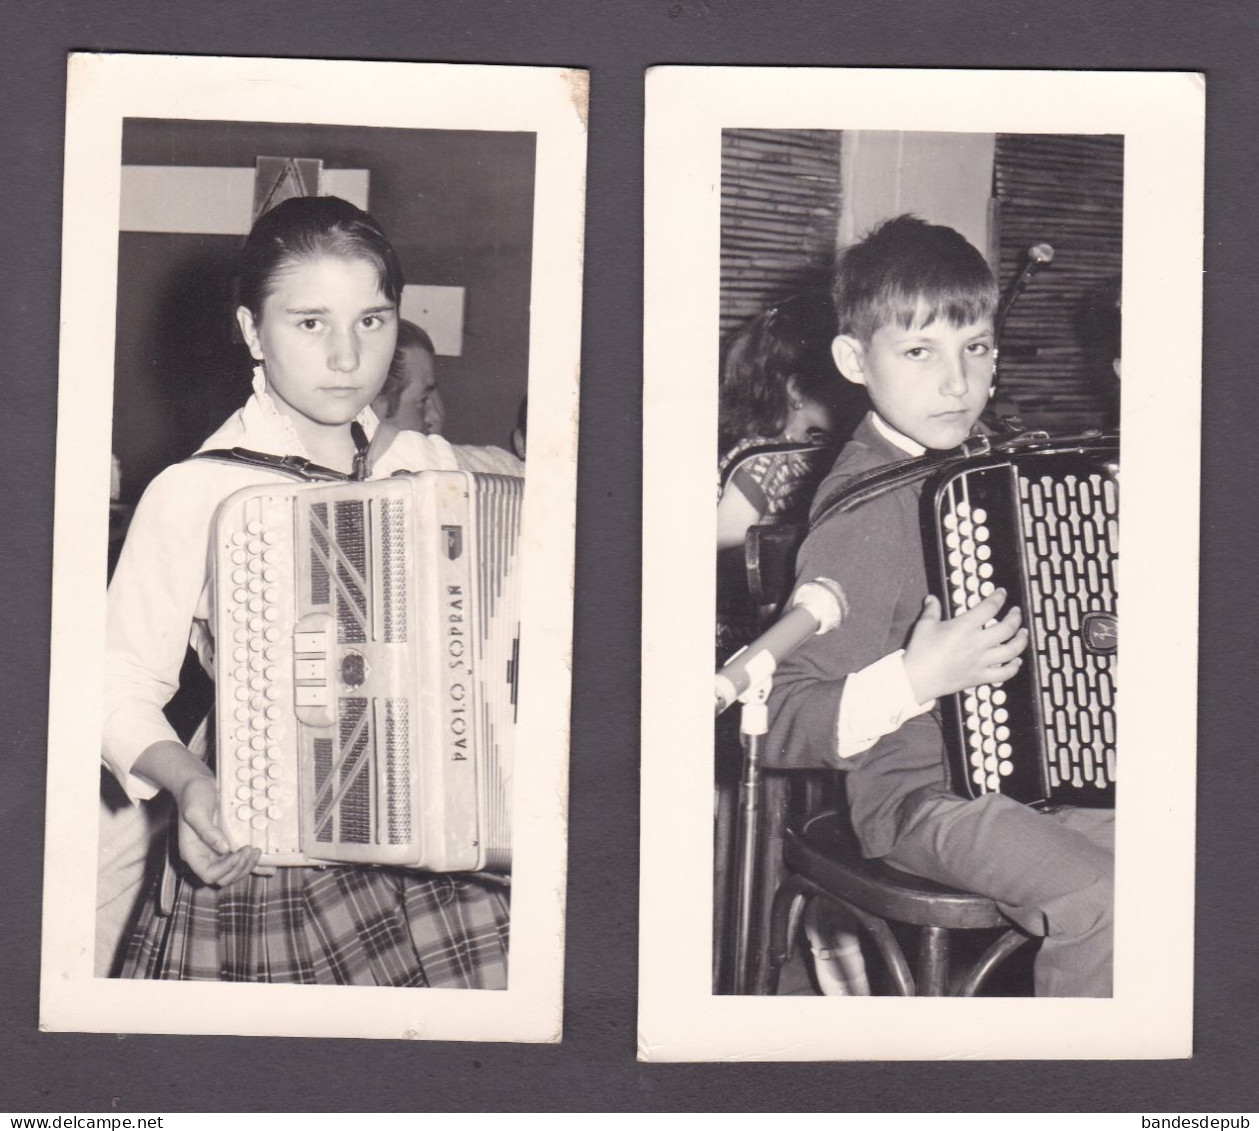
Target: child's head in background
x,y
777,378
411,398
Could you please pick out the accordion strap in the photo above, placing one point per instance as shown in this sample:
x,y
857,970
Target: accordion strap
x,y
892,476
296,467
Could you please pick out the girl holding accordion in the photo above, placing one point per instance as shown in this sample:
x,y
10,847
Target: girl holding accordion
x,y
319,289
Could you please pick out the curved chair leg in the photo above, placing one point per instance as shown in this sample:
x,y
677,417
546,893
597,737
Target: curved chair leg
x,y
784,924
889,948
987,962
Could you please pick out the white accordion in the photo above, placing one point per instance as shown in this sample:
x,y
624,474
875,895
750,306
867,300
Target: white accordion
x,y
367,661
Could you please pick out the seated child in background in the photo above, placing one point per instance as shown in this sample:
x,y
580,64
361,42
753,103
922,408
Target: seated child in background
x,y
915,304
782,411
410,401
778,386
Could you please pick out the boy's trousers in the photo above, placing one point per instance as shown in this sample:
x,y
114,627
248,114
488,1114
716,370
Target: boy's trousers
x,y
1052,873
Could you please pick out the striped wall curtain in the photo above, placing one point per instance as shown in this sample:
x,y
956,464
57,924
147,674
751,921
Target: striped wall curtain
x,y
1067,191
780,201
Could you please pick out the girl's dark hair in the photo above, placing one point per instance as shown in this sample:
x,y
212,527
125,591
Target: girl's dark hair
x,y
302,228
410,336
790,340
909,272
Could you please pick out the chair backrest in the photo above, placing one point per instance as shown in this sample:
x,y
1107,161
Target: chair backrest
x,y
770,557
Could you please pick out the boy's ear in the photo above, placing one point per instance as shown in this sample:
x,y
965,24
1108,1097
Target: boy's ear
x,y
849,358
249,331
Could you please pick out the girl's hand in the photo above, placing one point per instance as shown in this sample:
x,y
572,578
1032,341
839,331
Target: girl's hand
x,y
202,843
948,656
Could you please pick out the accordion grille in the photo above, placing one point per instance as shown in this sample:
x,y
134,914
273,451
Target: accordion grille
x,y
398,768
351,571
319,582
354,782
1071,544
321,749
393,554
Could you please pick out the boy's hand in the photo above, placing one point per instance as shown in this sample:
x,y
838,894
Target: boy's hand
x,y
203,844
947,656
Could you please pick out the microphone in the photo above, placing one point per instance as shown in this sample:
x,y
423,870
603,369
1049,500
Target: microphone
x,y
818,606
1038,255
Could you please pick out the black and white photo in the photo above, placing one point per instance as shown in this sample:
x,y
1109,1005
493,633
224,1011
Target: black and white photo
x,y
908,297
331,721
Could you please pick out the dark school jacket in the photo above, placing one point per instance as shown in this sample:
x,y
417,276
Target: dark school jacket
x,y
875,553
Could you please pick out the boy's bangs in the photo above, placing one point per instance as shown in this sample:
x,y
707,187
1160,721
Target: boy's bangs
x,y
958,304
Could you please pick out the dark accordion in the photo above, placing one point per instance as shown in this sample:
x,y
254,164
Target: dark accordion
x,y
1041,520
367,652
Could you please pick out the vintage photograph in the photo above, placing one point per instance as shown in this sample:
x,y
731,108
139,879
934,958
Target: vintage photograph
x,y
912,373
1041,731
331,725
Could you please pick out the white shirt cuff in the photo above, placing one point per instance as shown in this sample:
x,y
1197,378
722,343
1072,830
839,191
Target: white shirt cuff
x,y
876,702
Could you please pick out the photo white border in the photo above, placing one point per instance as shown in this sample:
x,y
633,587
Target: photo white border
x,y
103,90
1161,118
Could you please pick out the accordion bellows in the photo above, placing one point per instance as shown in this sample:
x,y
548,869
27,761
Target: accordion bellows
x,y
1044,524
367,666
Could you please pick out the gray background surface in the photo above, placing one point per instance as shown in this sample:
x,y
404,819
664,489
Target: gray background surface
x,y
594,1069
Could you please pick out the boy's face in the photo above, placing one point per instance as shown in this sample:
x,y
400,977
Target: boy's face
x,y
929,383
420,405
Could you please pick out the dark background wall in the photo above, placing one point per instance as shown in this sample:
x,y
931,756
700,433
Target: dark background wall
x,y
458,207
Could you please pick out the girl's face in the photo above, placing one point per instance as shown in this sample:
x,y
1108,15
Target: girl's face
x,y
811,423
326,337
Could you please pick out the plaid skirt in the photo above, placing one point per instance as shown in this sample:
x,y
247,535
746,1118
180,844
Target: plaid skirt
x,y
328,926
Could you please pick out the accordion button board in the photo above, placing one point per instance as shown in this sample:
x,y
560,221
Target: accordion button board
x,y
1044,525
367,667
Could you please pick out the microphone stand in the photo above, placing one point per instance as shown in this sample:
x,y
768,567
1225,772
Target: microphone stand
x,y
753,725
1039,255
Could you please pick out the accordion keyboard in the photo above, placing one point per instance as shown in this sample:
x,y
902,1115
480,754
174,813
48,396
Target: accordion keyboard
x,y
256,682
968,551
